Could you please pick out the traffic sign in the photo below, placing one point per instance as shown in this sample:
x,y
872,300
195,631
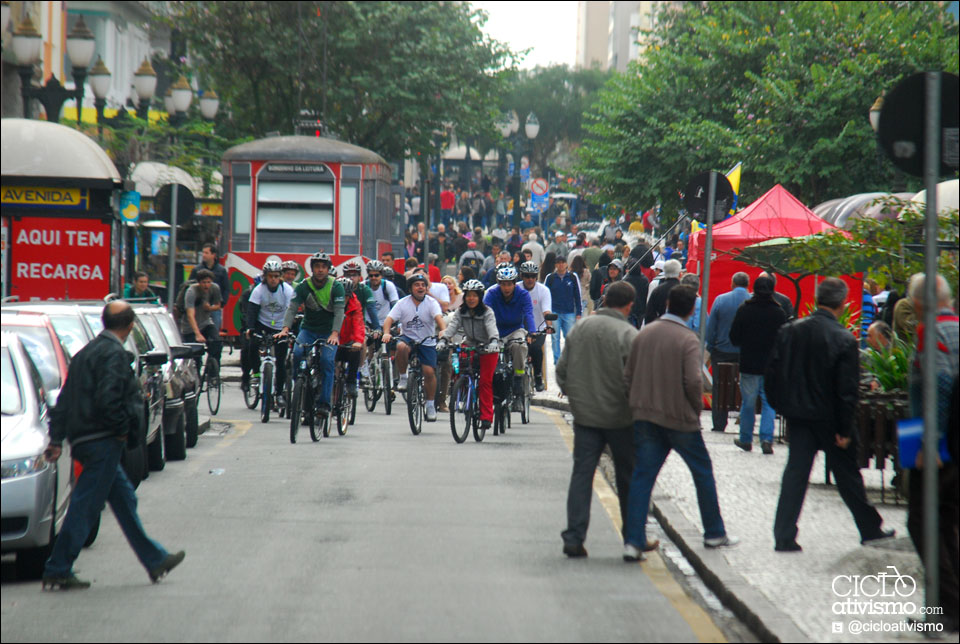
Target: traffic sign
x,y
539,203
696,197
539,187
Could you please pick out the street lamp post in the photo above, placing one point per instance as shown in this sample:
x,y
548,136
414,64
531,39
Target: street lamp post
x,y
27,46
100,84
509,128
145,85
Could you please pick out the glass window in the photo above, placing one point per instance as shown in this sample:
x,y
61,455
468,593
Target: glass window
x,y
11,400
93,319
290,192
269,218
169,330
71,332
36,340
141,340
153,330
242,208
349,210
286,205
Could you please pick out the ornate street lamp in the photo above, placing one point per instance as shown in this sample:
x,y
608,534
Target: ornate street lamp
x,y
509,127
209,103
100,84
180,95
27,46
145,86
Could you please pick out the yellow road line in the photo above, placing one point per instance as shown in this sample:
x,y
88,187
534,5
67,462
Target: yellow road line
x,y
699,620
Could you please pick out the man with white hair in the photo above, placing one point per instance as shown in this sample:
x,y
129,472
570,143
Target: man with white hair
x,y
536,250
657,303
559,247
946,352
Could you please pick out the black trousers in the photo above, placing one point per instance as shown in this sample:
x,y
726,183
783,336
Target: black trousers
x,y
535,350
720,417
588,444
806,439
949,511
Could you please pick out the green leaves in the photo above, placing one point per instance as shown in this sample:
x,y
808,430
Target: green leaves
x,y
891,365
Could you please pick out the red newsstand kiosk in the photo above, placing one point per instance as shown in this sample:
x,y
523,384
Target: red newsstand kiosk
x,y
61,224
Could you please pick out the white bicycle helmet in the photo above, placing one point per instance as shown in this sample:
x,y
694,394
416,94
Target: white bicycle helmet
x,y
529,268
473,285
507,274
272,266
320,257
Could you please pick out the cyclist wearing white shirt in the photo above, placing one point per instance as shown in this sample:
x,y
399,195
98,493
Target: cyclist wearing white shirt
x,y
266,307
542,303
420,319
383,291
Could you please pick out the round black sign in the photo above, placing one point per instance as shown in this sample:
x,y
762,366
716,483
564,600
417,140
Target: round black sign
x,y
696,198
903,120
186,203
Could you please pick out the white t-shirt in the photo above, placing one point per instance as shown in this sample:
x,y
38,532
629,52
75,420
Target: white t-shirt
x,y
385,296
542,301
417,319
273,306
440,292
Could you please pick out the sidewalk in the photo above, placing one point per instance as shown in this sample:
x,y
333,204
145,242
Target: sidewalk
x,y
783,597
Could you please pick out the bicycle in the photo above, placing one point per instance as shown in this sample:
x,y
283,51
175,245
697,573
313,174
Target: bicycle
x,y
342,406
465,398
372,383
305,391
416,405
251,393
212,384
270,392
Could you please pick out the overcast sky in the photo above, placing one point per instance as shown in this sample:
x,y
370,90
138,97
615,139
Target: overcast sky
x,y
548,28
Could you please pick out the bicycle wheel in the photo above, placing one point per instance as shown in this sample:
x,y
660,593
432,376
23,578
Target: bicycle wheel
x,y
341,408
461,409
214,385
497,417
386,382
527,388
266,395
478,430
414,408
251,397
371,387
296,408
353,409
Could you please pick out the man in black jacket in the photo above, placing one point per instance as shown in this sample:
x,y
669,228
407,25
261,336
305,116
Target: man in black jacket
x,y
99,408
640,284
754,330
812,381
657,304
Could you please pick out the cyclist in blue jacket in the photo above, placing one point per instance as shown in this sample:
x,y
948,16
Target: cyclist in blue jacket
x,y
513,309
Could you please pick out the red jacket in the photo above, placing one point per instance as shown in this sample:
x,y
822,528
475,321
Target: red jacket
x,y
352,329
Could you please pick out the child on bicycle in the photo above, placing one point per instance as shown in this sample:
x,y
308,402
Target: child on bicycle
x,y
352,334
477,324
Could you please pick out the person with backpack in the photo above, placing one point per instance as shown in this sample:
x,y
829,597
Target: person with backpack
x,y
200,300
211,262
471,258
246,364
266,309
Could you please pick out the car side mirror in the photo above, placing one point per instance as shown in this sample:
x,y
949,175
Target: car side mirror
x,y
197,349
550,317
181,352
154,358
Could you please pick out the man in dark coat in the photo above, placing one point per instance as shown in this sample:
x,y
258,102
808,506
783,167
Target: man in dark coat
x,y
640,284
754,330
657,305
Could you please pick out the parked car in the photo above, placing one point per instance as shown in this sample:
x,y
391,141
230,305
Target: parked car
x,y
181,382
68,321
41,341
35,493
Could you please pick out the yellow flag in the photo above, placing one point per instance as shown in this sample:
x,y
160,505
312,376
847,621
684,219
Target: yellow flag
x,y
734,177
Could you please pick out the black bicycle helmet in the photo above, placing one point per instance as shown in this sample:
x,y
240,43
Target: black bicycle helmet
x,y
413,279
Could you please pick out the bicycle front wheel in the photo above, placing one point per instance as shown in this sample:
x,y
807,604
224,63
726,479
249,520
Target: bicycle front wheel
x,y
371,387
414,406
386,382
251,397
461,409
214,386
266,395
296,408
527,388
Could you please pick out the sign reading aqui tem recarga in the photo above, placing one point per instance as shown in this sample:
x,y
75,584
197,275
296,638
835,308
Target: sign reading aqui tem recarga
x,y
56,258
44,197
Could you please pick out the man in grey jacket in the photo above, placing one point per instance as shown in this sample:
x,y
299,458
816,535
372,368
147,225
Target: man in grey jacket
x,y
588,373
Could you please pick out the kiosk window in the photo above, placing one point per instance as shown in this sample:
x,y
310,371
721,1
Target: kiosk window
x,y
294,206
349,210
242,202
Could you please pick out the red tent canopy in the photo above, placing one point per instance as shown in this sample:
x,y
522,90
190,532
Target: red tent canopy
x,y
776,214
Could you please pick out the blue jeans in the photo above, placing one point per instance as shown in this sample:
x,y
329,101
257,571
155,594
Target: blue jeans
x,y
328,358
652,444
565,322
750,386
102,480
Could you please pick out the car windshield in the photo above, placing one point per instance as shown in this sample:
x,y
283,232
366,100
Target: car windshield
x,y
169,329
36,340
93,319
10,398
70,330
153,330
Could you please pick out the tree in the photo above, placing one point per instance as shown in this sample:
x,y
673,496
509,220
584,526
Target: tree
x,y
381,75
784,87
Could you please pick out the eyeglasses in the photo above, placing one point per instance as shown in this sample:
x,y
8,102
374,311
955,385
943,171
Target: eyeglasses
x,y
373,274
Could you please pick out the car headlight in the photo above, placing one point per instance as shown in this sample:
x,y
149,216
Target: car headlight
x,y
23,466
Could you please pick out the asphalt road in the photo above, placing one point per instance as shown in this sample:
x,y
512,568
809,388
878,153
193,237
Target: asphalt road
x,y
378,535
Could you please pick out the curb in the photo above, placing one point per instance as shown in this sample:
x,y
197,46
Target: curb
x,y
767,622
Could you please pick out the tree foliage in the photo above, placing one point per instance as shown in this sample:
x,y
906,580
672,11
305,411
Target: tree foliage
x,y
382,75
784,87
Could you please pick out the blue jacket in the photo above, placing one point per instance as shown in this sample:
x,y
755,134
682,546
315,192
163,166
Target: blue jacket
x,y
721,319
512,315
565,292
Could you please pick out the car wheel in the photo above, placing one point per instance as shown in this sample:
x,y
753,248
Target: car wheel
x,y
177,441
193,422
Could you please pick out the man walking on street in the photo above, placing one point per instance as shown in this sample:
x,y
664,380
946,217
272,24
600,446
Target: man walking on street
x,y
210,261
99,408
666,403
595,352
565,296
718,339
812,380
754,331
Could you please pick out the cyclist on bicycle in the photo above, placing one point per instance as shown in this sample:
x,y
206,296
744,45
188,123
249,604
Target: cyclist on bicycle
x,y
199,303
323,304
352,335
477,324
368,303
290,271
420,318
386,296
542,305
513,309
266,309
246,364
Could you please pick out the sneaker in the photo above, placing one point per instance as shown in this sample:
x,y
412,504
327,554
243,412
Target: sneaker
x,y
245,383
725,541
517,404
69,582
574,552
767,447
365,370
486,424
352,390
255,381
632,553
323,409
402,385
171,562
431,414
539,386
884,534
747,447
788,546
442,408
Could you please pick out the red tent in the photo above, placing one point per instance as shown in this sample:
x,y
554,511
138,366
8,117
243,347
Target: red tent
x,y
776,214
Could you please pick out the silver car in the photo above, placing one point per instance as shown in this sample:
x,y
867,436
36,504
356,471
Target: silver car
x,y
35,493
